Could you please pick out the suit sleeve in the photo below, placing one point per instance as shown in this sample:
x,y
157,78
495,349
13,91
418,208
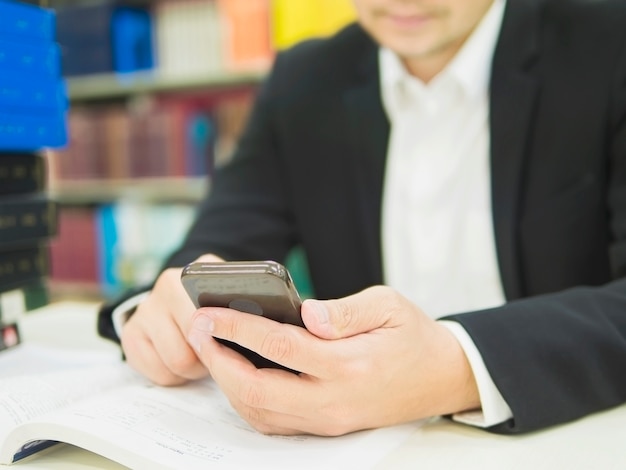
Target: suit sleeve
x,y
558,357
555,358
247,213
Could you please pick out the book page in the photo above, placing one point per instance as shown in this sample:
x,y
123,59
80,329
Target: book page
x,y
142,425
33,358
25,397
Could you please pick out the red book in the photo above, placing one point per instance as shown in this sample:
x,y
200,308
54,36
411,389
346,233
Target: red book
x,y
73,252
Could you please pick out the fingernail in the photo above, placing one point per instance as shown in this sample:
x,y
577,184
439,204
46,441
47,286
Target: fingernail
x,y
320,310
199,329
203,323
195,340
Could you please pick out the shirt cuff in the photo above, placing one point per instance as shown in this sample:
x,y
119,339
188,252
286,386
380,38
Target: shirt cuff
x,y
494,409
123,311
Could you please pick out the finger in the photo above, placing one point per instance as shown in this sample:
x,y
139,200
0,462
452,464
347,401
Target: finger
x,y
270,422
261,389
169,298
142,356
174,351
209,258
162,351
342,318
164,316
264,421
276,423
272,400
291,346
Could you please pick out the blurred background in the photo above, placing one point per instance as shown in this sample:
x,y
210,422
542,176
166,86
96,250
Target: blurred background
x,y
157,94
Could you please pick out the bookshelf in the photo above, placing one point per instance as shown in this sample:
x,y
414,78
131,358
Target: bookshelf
x,y
146,190
136,136
116,86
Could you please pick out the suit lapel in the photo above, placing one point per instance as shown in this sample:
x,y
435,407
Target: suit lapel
x,y
513,98
368,133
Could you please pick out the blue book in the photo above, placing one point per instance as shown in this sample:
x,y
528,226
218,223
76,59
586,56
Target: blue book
x,y
20,132
40,60
201,136
28,93
108,259
26,22
132,40
84,33
102,37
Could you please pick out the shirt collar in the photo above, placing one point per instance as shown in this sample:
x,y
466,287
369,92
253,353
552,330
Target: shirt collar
x,y
470,68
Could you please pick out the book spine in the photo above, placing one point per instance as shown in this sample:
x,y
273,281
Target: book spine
x,y
89,146
22,173
245,34
9,335
73,252
27,218
293,21
150,139
107,255
12,305
180,27
132,34
84,33
335,14
28,92
16,302
138,238
113,126
37,60
23,266
26,22
32,132
201,135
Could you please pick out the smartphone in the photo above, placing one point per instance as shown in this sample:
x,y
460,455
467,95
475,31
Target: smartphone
x,y
262,288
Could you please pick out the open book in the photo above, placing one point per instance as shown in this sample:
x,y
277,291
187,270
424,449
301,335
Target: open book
x,y
110,410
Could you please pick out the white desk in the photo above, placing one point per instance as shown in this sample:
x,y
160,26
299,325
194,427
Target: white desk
x,y
596,442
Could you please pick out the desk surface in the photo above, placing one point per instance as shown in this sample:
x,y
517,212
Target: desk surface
x,y
594,442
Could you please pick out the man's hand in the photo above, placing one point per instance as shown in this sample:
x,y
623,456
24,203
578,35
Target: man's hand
x,y
154,339
369,360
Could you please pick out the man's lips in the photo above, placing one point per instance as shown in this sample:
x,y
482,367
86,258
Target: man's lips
x,y
408,21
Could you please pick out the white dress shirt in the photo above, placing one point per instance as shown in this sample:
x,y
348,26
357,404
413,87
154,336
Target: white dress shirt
x,y
437,228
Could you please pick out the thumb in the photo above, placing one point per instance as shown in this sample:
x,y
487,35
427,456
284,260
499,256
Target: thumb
x,y
209,258
349,316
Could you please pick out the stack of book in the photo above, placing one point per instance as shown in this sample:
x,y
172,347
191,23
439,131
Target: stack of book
x,y
33,107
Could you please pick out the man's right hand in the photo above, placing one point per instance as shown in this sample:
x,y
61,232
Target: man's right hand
x,y
154,338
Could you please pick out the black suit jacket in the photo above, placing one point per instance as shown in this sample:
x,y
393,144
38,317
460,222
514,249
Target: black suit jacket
x,y
309,171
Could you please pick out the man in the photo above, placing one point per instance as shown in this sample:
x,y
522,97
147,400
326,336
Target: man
x,y
472,158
